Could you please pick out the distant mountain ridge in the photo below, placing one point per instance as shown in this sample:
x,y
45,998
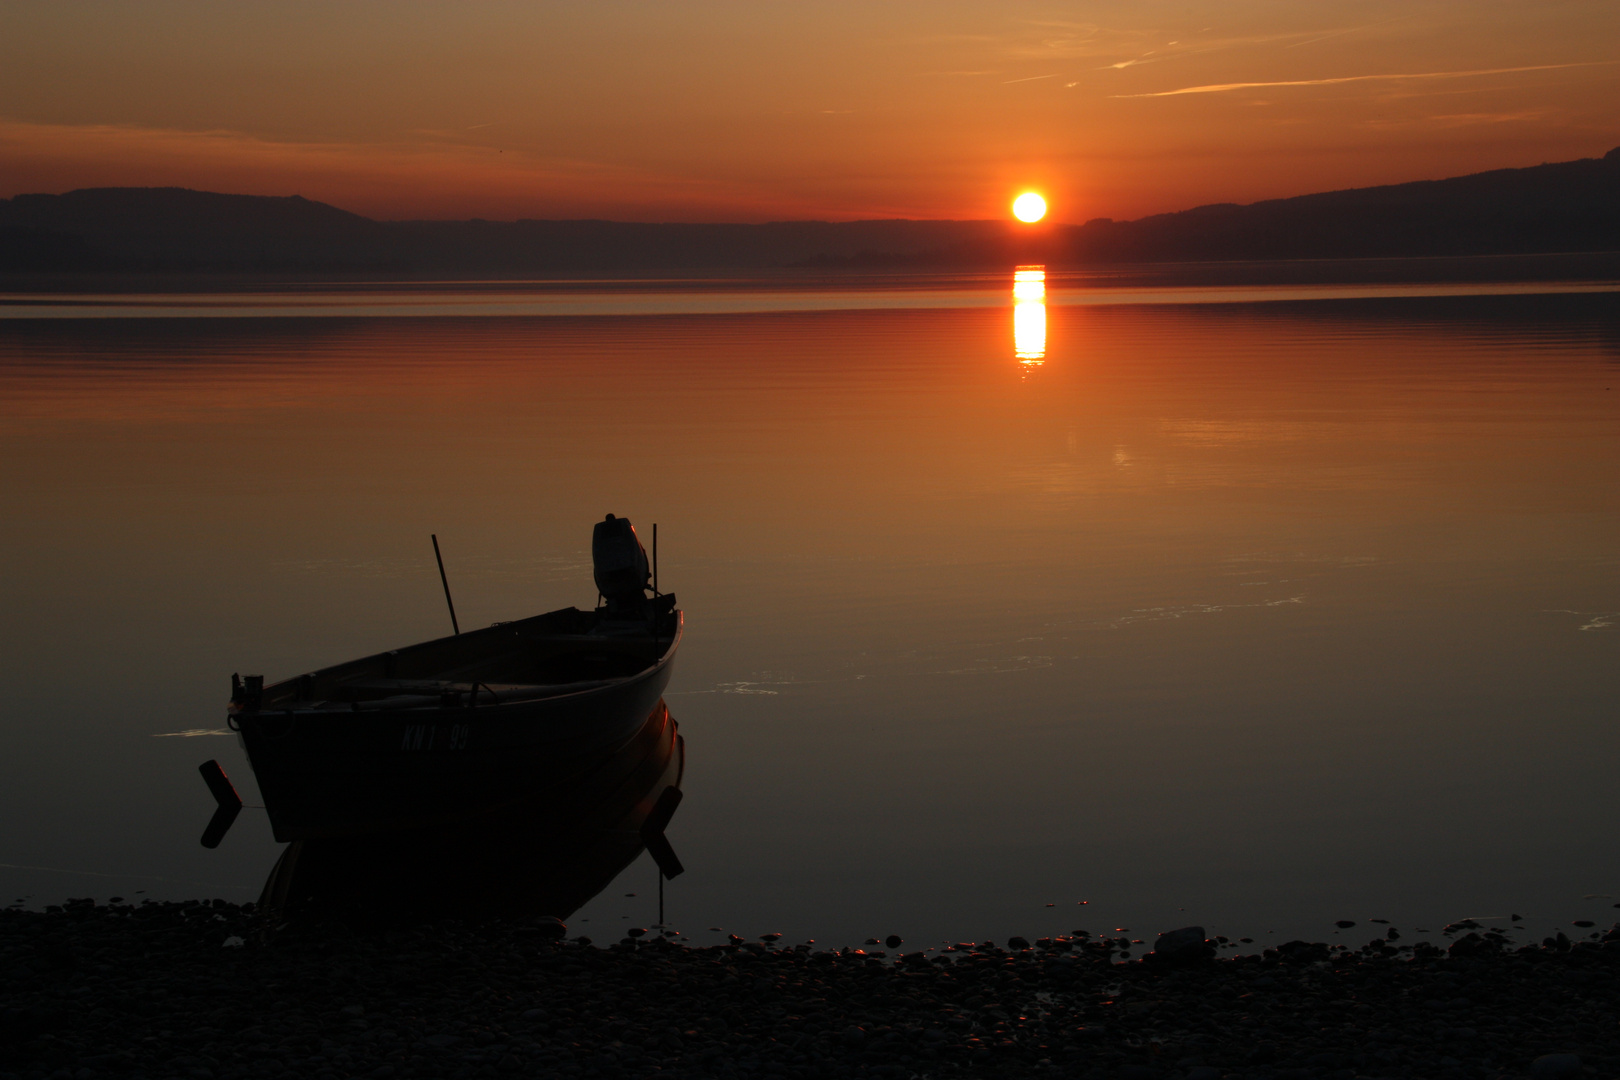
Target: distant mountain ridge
x,y
1569,206
180,229
1562,207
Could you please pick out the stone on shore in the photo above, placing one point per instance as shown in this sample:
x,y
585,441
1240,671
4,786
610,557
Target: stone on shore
x,y
1556,1067
1185,946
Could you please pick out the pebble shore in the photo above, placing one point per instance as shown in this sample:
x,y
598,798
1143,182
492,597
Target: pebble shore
x,y
213,991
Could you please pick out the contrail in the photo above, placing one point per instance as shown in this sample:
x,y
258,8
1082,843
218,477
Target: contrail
x,y
1218,88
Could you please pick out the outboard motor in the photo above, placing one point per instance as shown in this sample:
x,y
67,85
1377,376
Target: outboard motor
x,y
622,573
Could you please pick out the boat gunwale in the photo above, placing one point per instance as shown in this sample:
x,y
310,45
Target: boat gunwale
x,y
310,709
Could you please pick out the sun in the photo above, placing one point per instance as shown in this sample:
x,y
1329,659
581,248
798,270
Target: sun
x,y
1029,207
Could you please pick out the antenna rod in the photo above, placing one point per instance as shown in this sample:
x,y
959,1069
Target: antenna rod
x,y
655,558
446,583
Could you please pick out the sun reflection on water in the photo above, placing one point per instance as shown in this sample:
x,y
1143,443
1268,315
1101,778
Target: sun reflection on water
x,y
1029,315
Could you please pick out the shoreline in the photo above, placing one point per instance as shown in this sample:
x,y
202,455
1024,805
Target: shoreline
x,y
1460,269
214,990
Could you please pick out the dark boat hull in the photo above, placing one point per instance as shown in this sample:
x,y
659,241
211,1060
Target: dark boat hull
x,y
328,771
546,855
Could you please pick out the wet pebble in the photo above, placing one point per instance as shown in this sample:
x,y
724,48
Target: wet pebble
x,y
1555,1067
1185,946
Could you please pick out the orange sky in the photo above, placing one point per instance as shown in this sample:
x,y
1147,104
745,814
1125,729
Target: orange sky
x,y
758,111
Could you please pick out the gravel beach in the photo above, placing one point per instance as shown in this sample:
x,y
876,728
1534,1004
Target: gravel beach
x,y
211,990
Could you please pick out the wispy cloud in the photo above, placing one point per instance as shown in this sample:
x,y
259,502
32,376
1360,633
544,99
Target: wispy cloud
x,y
1136,45
1049,40
1219,88
1453,120
1523,115
1031,78
1329,35
410,177
1123,64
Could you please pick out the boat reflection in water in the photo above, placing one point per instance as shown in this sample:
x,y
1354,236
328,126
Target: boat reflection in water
x,y
547,855
1029,315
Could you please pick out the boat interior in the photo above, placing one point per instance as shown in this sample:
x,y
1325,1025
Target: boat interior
x,y
561,652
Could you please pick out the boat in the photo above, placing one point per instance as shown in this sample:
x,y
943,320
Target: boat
x,y
461,727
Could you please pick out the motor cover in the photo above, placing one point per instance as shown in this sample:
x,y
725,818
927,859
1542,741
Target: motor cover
x,y
620,562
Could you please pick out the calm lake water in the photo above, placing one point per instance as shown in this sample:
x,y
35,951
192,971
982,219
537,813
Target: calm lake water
x,y
1251,608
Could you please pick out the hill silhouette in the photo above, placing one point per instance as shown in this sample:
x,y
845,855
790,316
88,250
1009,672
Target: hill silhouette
x,y
1569,206
179,229
1564,207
